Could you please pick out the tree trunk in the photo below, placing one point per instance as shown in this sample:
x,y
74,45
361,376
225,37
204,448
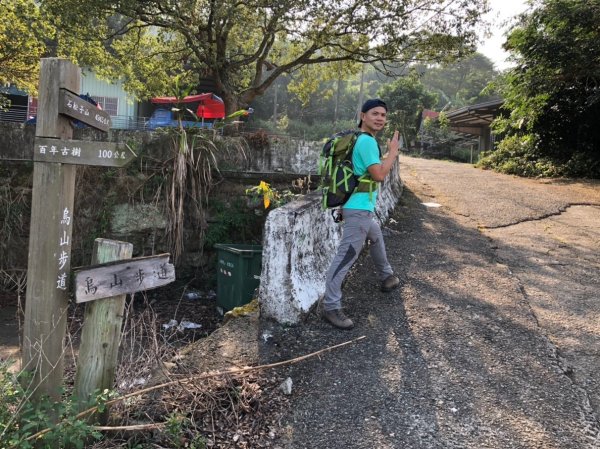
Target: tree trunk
x,y
231,102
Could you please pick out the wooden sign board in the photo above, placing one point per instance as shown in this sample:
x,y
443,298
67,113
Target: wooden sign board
x,y
84,111
81,152
122,277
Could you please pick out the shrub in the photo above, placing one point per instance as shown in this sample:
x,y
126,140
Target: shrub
x,y
517,155
520,155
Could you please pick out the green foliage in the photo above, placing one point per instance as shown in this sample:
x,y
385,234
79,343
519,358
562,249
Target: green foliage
x,y
246,46
24,32
177,430
520,155
436,131
460,83
553,93
232,221
324,77
406,98
20,418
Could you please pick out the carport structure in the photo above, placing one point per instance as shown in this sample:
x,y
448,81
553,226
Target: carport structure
x,y
475,120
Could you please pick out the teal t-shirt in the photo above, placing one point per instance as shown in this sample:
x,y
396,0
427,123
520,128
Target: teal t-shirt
x,y
366,153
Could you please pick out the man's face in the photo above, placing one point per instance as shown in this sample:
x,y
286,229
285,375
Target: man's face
x,y
374,119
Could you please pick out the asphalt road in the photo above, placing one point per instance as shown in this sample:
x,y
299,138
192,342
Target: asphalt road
x,y
490,342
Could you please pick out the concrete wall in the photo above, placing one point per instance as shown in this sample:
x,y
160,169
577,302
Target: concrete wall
x,y
125,215
281,154
300,240
286,155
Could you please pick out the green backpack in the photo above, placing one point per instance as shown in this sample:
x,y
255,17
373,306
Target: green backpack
x,y
338,181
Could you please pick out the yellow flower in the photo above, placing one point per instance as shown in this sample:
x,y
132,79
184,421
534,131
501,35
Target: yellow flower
x,y
267,193
264,187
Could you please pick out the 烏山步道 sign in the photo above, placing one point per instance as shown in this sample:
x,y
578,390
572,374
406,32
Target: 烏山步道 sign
x,y
122,277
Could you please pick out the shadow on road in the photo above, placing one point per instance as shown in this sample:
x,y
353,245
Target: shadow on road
x,y
452,359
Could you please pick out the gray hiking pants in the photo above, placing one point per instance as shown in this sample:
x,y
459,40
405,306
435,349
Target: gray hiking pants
x,y
358,226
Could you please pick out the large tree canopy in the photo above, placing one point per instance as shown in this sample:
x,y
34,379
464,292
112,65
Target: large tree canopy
x,y
22,44
245,46
554,90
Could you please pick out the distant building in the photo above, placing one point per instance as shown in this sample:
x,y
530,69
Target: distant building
x,y
126,111
475,120
111,97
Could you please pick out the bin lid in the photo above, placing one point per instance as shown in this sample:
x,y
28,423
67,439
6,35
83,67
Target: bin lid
x,y
239,248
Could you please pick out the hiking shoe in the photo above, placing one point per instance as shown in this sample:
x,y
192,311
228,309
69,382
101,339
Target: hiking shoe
x,y
390,283
338,319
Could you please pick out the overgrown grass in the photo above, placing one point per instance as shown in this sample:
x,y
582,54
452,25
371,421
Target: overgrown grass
x,y
190,173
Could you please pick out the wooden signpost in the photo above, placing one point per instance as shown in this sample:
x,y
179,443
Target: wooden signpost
x,y
106,286
49,239
52,215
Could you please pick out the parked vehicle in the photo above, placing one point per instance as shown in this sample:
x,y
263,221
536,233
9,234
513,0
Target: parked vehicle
x,y
194,110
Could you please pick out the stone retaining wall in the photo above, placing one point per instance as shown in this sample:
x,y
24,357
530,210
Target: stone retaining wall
x,y
140,219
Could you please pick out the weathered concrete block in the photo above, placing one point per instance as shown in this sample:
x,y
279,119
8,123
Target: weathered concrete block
x,y
130,218
300,240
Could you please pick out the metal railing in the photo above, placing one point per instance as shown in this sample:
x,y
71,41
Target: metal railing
x,y
15,113
18,114
129,122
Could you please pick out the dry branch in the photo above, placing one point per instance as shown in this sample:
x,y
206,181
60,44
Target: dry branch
x,y
201,377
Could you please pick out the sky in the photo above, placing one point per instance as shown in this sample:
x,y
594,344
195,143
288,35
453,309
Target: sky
x,y
501,12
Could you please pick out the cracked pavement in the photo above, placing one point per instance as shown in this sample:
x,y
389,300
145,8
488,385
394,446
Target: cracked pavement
x,y
491,340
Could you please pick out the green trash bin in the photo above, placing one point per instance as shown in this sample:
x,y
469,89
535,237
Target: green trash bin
x,y
238,274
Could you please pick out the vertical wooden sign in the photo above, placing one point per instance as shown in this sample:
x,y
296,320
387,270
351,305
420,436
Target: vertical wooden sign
x,y
50,239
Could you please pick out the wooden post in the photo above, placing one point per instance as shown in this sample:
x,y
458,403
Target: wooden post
x,y
50,240
101,332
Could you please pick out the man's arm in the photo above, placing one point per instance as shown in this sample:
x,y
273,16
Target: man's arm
x,y
378,172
